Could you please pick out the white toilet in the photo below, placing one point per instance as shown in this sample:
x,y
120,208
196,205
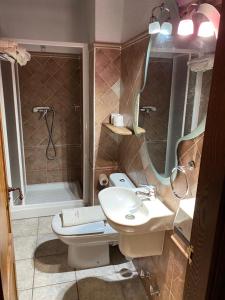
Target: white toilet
x,y
92,249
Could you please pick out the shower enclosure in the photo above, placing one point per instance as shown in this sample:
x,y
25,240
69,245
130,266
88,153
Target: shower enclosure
x,y
44,109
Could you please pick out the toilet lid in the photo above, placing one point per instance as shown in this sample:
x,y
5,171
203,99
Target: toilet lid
x,y
84,229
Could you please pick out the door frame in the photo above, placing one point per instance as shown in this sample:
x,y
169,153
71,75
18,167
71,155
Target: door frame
x,y
205,276
85,84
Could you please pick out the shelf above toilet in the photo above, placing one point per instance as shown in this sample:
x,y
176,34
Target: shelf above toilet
x,y
122,130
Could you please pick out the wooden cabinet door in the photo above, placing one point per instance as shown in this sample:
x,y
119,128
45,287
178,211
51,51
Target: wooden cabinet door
x,y
7,261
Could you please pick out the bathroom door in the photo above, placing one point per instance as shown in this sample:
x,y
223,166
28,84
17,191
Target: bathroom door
x,y
12,130
7,266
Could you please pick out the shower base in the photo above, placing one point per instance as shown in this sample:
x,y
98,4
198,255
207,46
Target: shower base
x,y
52,192
48,199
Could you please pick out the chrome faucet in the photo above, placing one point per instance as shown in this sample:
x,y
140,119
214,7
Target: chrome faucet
x,y
144,196
150,190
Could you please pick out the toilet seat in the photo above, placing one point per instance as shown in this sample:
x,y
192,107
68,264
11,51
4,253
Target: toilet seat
x,y
75,232
90,250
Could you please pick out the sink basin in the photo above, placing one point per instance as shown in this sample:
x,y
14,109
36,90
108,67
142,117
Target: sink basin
x,y
128,214
141,224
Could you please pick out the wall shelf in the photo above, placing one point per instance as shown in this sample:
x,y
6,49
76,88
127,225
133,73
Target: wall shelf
x,y
122,130
140,130
118,130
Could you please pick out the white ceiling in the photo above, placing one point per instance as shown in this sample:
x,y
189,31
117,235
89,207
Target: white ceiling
x,y
75,20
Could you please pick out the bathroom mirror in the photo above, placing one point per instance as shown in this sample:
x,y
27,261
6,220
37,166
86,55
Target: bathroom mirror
x,y
174,97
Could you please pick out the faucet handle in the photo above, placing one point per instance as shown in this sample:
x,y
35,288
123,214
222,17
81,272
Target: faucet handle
x,y
150,187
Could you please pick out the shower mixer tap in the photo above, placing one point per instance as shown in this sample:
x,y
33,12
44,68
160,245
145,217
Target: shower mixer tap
x,y
41,109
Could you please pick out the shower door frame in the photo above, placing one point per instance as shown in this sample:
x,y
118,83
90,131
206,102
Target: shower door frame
x,y
26,209
18,128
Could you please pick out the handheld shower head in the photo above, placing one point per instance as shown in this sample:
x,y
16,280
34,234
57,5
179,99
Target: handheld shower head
x,y
44,110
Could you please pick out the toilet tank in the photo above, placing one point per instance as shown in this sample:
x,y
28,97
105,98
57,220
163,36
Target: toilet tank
x,y
120,180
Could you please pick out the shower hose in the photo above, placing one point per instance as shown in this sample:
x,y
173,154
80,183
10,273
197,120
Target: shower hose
x,y
50,139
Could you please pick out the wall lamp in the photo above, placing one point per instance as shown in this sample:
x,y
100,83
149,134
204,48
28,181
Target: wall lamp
x,y
186,25
158,13
206,28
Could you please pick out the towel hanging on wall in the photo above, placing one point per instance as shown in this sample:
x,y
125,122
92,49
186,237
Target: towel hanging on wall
x,y
201,64
11,49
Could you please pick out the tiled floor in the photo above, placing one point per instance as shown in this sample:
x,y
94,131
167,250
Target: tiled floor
x,y
43,273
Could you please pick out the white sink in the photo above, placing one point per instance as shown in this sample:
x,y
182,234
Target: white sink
x,y
141,224
150,215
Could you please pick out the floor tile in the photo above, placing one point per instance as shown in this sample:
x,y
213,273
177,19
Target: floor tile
x,y
25,295
49,244
45,225
133,289
104,273
24,274
24,247
64,291
52,270
25,227
98,289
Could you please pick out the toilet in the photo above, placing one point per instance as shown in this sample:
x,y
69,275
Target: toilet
x,y
88,250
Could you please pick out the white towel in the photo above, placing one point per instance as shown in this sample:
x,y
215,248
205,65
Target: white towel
x,y
19,54
201,64
82,215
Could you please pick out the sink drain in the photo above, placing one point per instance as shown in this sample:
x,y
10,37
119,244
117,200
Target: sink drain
x,y
130,217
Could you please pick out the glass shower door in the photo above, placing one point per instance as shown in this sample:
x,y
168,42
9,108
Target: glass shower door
x,y
12,130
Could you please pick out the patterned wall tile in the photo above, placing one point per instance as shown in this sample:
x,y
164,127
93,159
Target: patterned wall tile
x,y
170,267
53,80
106,97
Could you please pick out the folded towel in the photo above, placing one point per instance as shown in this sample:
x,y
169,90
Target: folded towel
x,y
90,228
19,54
82,215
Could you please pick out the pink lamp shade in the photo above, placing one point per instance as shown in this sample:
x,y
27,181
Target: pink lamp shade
x,y
206,29
185,27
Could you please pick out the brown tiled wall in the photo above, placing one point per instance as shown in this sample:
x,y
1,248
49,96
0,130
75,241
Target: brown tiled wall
x,y
170,267
52,80
106,94
130,153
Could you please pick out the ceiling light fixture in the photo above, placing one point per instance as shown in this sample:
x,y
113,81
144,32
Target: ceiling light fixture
x,y
206,29
185,27
154,27
158,13
166,28
212,26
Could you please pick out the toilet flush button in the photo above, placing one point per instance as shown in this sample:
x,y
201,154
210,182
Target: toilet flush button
x,y
122,180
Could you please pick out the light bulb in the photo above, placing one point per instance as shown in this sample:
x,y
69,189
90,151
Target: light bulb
x,y
154,27
206,29
166,28
185,27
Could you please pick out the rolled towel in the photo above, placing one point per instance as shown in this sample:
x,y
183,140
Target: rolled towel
x,y
82,215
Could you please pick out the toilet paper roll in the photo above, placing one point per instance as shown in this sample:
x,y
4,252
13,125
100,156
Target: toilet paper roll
x,y
118,120
103,180
112,117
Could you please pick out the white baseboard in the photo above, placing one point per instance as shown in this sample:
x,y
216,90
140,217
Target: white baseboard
x,y
41,210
